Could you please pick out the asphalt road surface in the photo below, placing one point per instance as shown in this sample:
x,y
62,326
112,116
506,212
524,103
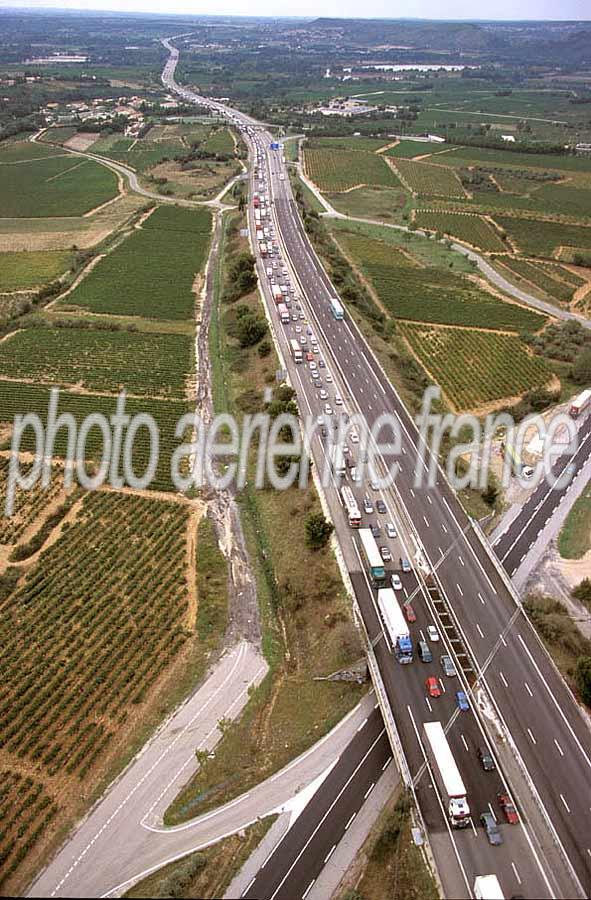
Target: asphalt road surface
x,y
480,617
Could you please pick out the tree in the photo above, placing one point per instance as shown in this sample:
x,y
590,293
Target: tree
x,y
318,531
582,591
250,329
581,371
583,678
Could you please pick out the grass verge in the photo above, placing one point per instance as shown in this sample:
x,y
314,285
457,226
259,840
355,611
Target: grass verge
x,y
307,629
574,539
206,873
395,867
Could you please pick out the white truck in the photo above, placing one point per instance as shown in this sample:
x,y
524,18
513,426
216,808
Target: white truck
x,y
487,887
283,313
277,294
337,460
449,781
396,626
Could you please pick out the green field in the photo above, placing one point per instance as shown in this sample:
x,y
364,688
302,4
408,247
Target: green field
x,y
60,186
475,156
26,150
475,368
152,272
20,398
430,293
350,142
219,141
471,229
139,155
428,180
151,365
542,279
22,271
535,237
340,170
406,149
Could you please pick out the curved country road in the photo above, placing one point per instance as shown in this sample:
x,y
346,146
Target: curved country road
x,y
484,266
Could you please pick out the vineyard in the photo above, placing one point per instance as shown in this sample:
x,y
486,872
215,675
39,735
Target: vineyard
x,y
153,365
54,186
471,229
475,368
22,398
28,504
544,280
151,273
428,180
432,294
340,170
23,270
88,632
368,251
26,811
575,279
535,237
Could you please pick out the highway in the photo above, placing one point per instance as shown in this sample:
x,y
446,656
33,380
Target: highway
x,y
515,542
543,729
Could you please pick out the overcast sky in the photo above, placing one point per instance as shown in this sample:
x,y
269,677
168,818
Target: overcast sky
x,y
427,9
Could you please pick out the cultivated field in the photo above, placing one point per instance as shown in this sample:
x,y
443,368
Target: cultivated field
x,y
543,279
537,238
89,630
425,180
18,397
151,273
23,271
432,294
148,365
476,368
55,186
28,504
471,229
340,170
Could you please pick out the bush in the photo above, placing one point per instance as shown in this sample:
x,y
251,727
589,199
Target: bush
x,y
318,531
582,591
583,678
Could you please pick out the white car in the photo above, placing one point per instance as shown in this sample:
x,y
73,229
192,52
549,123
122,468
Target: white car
x,y
390,530
323,394
432,633
354,437
396,582
316,375
338,400
328,409
312,366
303,340
316,348
374,485
328,378
298,329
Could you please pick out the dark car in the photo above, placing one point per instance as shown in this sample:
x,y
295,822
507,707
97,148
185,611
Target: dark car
x,y
381,507
375,530
493,832
424,652
486,760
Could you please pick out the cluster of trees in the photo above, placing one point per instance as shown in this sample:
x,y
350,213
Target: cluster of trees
x,y
250,328
568,342
241,277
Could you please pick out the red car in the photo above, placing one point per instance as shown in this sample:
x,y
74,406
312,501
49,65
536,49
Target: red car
x,y
309,356
409,612
508,807
433,686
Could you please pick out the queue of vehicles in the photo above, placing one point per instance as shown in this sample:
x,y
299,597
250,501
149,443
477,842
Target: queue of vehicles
x,y
396,615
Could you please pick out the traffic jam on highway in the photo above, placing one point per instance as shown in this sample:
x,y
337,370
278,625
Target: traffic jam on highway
x,y
513,690
386,564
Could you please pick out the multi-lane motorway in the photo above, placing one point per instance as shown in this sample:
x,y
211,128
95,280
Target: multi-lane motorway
x,y
545,737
